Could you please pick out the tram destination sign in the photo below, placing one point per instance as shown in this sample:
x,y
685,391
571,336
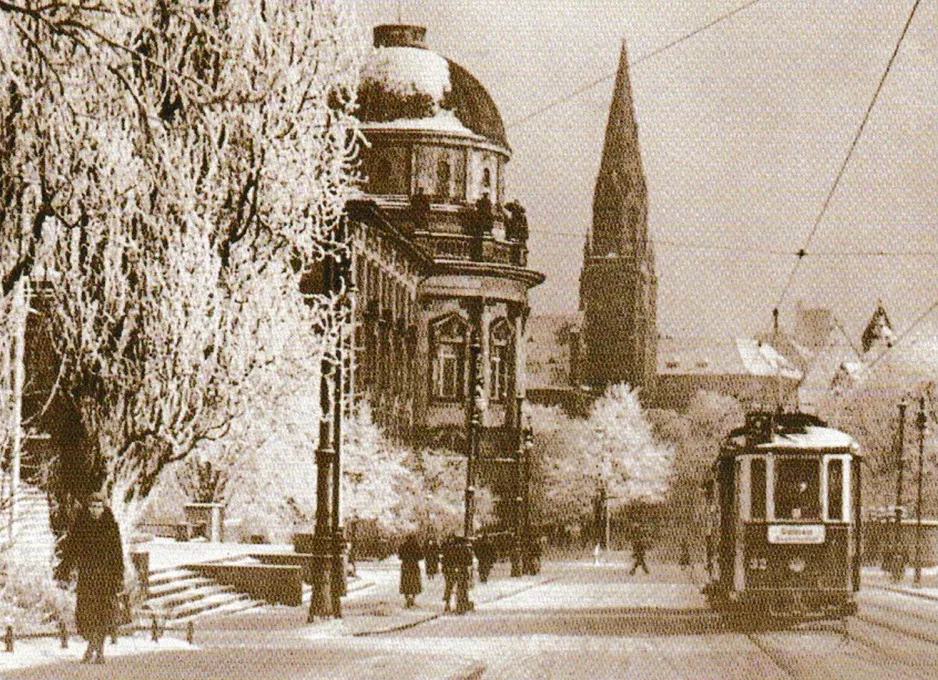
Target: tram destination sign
x,y
796,533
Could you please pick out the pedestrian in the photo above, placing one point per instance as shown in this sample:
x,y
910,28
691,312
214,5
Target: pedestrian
x,y
457,563
431,558
92,548
684,560
464,560
638,552
411,586
485,554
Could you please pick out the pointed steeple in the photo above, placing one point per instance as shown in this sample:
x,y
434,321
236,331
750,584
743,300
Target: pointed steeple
x,y
618,286
620,199
878,328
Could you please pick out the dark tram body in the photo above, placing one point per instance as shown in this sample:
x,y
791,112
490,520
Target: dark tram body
x,y
784,534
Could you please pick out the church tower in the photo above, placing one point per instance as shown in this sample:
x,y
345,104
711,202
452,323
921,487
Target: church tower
x,y
618,286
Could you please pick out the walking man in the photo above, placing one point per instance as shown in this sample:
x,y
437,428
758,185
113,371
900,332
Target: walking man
x,y
92,547
638,552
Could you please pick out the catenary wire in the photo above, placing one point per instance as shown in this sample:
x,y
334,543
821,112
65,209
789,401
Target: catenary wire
x,y
609,76
846,161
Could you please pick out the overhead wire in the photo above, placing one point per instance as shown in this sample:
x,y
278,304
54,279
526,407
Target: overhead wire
x,y
609,76
843,166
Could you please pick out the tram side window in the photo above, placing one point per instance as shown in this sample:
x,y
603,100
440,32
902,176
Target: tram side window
x,y
757,478
835,489
797,489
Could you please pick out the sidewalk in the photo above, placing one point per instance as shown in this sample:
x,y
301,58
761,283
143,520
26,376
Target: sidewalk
x,y
240,644
928,588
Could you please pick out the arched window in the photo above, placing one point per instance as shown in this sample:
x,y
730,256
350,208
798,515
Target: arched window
x,y
448,351
487,183
443,177
499,355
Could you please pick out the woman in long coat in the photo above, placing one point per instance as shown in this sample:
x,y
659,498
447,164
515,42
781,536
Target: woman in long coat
x,y
411,585
93,548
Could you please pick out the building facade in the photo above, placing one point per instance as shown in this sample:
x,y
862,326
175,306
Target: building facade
x,y
440,257
618,285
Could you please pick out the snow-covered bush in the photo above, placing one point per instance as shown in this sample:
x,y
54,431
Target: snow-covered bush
x,y
30,596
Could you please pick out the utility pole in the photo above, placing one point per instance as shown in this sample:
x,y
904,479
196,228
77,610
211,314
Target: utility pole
x,y
920,421
898,562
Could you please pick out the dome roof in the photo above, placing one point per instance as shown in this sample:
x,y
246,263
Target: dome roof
x,y
406,86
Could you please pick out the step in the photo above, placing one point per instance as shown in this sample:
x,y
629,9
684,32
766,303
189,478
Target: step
x,y
177,585
173,600
204,604
235,607
169,575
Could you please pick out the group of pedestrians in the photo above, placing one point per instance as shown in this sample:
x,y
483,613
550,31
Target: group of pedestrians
x,y
455,558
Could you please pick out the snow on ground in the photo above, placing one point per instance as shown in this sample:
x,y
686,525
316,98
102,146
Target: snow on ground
x,y
38,651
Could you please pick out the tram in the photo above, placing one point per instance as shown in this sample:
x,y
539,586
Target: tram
x,y
783,539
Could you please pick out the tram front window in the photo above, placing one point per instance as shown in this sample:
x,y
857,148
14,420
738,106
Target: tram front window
x,y
797,489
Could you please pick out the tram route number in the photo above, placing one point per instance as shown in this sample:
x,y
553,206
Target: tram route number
x,y
758,564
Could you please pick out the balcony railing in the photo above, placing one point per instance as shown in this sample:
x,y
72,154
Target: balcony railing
x,y
474,249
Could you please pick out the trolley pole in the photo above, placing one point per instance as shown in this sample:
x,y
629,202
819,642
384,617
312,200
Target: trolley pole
x,y
898,564
920,421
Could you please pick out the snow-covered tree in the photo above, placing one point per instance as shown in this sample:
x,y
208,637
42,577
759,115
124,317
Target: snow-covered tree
x,y
612,449
186,162
695,435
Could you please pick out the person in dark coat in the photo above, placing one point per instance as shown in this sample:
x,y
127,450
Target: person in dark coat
x,y
639,547
457,564
431,558
93,549
485,554
411,585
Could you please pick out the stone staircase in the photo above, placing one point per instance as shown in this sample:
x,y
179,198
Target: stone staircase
x,y
31,542
178,595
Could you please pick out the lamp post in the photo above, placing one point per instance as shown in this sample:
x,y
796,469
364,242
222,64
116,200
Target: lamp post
x,y
328,545
529,564
475,408
898,563
920,421
517,568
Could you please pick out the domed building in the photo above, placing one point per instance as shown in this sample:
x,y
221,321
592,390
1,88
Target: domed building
x,y
440,261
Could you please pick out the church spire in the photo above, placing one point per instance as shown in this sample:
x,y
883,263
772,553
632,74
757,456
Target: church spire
x,y
619,201
618,285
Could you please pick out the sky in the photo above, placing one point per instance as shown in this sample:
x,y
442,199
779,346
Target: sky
x,y
744,128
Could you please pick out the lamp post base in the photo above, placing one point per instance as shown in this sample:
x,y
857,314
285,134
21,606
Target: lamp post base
x,y
327,571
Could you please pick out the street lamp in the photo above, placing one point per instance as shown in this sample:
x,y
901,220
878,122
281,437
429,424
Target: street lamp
x,y
476,407
529,564
328,543
898,563
920,421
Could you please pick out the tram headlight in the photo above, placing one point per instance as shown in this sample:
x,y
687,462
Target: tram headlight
x,y
796,564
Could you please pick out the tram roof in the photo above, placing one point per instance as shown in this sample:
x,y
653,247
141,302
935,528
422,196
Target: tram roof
x,y
788,432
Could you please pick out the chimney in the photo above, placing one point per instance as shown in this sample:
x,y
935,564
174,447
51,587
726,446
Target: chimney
x,y
400,35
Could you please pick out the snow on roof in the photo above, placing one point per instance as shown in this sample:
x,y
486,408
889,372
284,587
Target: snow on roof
x,y
813,437
760,358
722,356
441,121
409,70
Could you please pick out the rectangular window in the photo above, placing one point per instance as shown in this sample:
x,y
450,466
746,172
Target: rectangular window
x,y
797,488
757,482
835,489
447,383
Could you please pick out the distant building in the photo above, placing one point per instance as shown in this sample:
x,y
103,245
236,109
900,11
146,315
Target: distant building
x,y
618,285
751,371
